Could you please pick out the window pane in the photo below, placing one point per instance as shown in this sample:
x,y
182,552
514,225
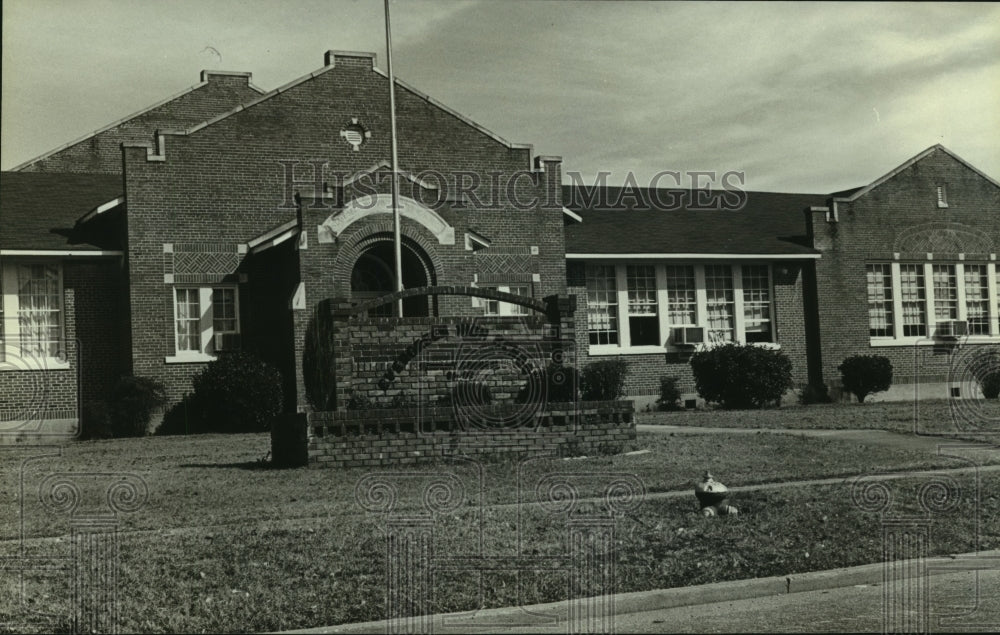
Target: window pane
x,y
517,309
38,309
756,303
880,300
977,299
721,302
224,310
188,316
602,304
945,293
913,294
644,325
681,300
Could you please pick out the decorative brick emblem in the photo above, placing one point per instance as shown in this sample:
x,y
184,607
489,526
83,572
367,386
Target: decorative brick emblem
x,y
355,134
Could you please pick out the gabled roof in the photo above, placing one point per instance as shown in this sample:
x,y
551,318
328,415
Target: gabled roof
x,y
853,195
39,210
624,221
157,151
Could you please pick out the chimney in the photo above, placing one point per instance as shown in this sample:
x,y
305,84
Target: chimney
x,y
549,169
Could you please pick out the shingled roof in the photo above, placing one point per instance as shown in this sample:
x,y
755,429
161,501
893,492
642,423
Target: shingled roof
x,y
39,210
620,220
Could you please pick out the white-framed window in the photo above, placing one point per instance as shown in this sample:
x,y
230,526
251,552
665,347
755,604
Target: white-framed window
x,y
977,299
880,318
641,307
32,331
756,303
206,321
913,293
643,319
913,301
721,303
496,307
602,305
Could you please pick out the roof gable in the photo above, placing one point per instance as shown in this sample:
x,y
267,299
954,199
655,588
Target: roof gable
x,y
853,195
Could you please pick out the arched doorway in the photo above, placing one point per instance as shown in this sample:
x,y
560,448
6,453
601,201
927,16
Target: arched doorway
x,y
373,277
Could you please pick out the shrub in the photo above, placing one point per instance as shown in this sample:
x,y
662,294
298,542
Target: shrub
x,y
181,418
237,392
670,395
132,402
863,375
561,384
813,393
741,375
358,402
604,380
986,369
95,421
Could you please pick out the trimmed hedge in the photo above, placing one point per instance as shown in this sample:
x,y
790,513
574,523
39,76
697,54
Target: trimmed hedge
x,y
604,380
738,376
863,375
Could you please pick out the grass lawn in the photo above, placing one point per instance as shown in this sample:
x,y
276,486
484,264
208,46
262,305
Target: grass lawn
x,y
965,419
227,544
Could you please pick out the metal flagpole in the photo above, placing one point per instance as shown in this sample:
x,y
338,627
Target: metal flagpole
x,y
396,240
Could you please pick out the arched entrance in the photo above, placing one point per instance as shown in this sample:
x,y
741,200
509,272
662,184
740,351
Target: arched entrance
x,y
372,277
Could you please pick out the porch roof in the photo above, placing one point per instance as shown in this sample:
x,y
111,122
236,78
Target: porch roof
x,y
663,222
39,211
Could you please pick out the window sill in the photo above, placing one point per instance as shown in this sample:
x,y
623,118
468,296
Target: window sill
x,y
14,363
189,358
597,351
928,341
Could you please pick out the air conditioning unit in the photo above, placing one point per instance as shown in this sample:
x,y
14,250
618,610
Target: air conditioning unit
x,y
952,328
689,335
227,341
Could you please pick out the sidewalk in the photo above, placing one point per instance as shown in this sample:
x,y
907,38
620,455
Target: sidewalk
x,y
752,604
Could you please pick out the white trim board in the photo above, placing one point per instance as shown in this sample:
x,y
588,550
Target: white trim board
x,y
672,256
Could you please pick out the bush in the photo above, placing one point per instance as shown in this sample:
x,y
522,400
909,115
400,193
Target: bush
x,y
95,421
131,405
604,380
561,384
986,369
741,375
670,395
863,375
812,393
238,392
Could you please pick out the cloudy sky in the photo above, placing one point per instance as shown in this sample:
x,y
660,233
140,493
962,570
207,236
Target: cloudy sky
x,y
802,97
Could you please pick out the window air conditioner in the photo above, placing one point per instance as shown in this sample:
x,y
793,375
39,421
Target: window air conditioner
x,y
953,328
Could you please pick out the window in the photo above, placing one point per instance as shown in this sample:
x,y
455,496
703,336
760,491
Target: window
x,y
977,299
602,304
496,307
206,320
756,303
945,294
942,196
909,301
880,319
643,321
914,300
682,302
31,311
720,302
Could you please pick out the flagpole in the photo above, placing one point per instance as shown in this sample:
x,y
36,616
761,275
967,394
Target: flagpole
x,y
396,239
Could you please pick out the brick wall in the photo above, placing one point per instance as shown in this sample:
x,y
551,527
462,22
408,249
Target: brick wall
x,y
225,184
645,370
101,153
875,227
348,439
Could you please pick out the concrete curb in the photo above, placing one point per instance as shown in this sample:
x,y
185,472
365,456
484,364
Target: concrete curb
x,y
555,614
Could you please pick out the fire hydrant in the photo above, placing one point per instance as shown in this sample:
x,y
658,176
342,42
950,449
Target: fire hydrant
x,y
713,497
